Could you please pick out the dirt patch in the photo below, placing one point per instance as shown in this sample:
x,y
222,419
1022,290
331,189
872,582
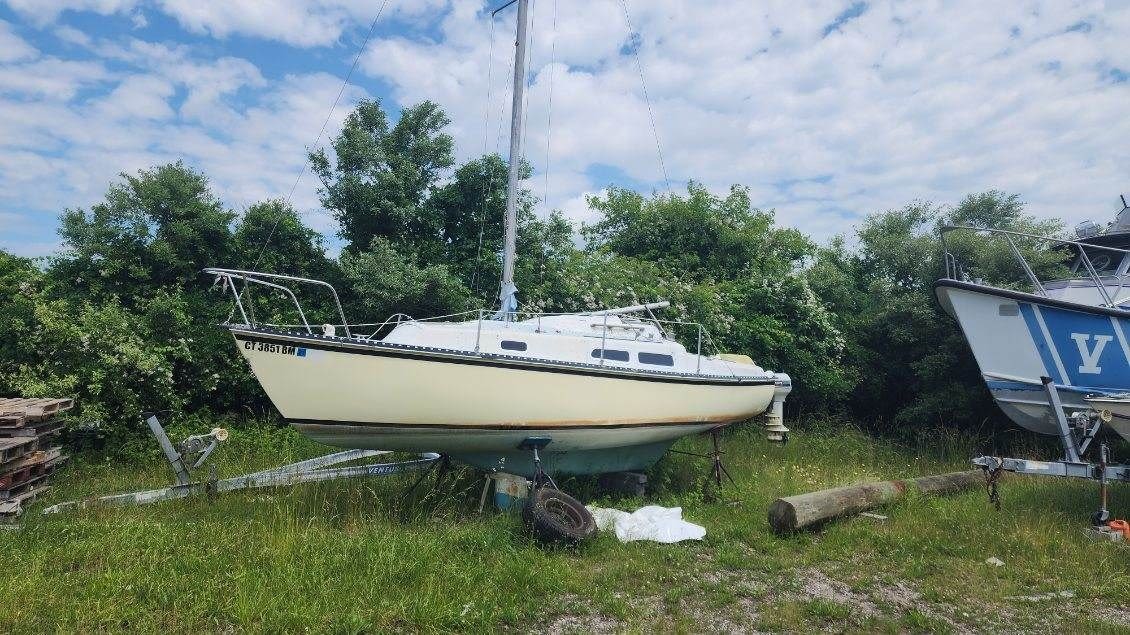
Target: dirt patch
x,y
594,623
1117,615
815,584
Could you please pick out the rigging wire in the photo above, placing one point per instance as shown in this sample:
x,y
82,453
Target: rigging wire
x,y
647,100
502,112
525,80
549,107
340,92
490,177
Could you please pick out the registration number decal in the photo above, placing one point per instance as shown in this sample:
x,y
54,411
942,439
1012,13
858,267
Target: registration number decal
x,y
271,347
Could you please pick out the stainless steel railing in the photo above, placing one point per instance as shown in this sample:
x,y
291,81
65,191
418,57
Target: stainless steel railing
x,y
628,327
955,272
229,276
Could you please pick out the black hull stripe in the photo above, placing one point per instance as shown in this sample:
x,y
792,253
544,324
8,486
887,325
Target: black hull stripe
x,y
501,428
495,361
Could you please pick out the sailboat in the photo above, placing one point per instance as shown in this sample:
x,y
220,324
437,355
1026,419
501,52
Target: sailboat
x,y
597,392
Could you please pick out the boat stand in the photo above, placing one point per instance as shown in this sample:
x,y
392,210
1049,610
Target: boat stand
x,y
717,467
1075,436
196,450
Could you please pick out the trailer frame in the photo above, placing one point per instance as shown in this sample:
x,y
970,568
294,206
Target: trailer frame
x,y
1075,440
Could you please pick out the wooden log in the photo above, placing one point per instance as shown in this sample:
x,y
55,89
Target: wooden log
x,y
794,513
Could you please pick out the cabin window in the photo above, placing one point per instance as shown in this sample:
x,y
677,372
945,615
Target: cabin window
x,y
657,359
614,355
513,345
1105,262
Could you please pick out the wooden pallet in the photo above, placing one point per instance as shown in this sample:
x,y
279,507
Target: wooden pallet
x,y
12,449
17,412
32,465
32,429
13,507
30,483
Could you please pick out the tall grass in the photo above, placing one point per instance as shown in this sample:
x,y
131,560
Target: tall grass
x,y
359,556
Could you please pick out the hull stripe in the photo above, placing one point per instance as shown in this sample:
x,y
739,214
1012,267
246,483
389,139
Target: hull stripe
x,y
1121,337
1066,381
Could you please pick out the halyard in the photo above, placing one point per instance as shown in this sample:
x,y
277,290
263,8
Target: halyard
x,y
357,556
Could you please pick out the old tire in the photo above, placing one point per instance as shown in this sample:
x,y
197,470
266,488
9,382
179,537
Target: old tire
x,y
556,517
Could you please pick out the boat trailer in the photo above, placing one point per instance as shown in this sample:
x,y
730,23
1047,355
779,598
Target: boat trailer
x,y
193,452
1075,435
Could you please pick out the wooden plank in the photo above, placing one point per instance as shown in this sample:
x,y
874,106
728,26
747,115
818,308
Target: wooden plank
x,y
805,510
32,429
14,506
31,481
35,461
34,409
12,449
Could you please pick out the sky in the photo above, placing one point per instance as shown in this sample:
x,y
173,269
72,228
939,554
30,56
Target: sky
x,y
826,111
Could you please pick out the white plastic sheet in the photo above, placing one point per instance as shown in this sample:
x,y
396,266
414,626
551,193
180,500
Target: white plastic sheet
x,y
659,524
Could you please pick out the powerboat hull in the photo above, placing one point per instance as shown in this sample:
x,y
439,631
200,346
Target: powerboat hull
x,y
478,408
1017,338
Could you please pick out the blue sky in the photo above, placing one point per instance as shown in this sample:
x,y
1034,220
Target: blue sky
x,y
827,111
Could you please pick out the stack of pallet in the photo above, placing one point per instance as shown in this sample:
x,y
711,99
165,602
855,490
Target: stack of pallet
x,y
27,458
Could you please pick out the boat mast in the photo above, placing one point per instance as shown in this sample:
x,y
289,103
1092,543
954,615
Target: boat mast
x,y
508,295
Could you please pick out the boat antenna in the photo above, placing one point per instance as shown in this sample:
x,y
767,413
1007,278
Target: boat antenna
x,y
508,294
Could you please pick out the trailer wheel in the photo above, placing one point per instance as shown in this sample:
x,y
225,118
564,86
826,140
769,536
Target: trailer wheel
x,y
556,517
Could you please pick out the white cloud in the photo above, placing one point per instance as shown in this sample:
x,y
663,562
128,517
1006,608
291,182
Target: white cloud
x,y
896,103
13,48
59,151
300,23
893,103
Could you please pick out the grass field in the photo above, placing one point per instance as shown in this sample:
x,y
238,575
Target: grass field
x,y
353,556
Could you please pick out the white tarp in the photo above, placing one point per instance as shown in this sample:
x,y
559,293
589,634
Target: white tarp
x,y
660,524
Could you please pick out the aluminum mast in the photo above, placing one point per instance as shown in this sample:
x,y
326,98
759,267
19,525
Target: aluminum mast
x,y
508,295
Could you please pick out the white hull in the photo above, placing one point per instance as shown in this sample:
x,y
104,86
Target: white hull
x,y
1119,409
394,397
1019,338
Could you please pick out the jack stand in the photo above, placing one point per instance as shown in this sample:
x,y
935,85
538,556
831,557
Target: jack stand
x,y
992,480
718,469
440,468
1099,518
534,444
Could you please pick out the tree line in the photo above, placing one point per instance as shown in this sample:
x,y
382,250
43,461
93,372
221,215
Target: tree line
x,y
122,318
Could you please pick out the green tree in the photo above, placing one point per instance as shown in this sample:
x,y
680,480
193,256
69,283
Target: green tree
x,y
721,263
381,176
154,230
911,363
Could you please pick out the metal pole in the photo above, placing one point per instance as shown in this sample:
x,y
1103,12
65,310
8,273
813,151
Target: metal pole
x,y
698,352
171,453
1070,449
479,331
603,338
1103,514
507,294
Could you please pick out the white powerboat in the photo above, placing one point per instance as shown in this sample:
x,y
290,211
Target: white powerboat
x,y
601,392
1072,331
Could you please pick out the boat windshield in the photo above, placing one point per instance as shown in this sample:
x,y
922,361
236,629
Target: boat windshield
x,y
1105,261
